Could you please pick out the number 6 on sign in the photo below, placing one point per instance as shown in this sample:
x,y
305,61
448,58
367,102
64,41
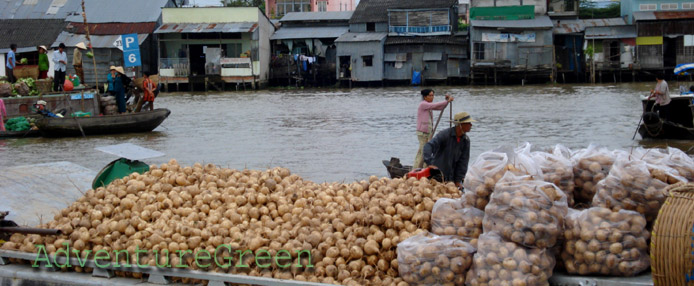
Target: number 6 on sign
x,y
131,50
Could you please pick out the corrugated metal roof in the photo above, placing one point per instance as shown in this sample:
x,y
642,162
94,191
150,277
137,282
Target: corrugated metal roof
x,y
70,40
538,22
43,9
377,10
450,40
663,15
361,37
317,16
29,33
612,32
241,27
603,22
287,33
562,27
644,16
121,11
112,28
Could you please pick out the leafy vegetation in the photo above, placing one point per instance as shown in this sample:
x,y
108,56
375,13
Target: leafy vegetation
x,y
590,10
244,3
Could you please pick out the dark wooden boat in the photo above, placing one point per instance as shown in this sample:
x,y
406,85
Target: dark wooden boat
x,y
110,124
679,126
395,169
19,134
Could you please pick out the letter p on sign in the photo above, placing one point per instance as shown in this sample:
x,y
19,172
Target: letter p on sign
x,y
131,50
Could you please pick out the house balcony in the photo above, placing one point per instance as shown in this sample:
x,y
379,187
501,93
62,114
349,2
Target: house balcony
x,y
419,30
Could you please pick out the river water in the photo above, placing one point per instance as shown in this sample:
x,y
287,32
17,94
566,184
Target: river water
x,y
342,135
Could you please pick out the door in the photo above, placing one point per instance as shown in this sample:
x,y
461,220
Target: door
x,y
345,63
669,52
197,59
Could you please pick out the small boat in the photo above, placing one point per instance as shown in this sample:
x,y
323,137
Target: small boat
x,y
19,134
680,125
118,169
395,169
109,124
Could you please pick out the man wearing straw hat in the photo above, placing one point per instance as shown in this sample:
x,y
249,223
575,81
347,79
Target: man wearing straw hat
x,y
449,150
77,60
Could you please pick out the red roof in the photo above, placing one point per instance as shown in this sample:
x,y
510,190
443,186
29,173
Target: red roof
x,y
671,15
112,28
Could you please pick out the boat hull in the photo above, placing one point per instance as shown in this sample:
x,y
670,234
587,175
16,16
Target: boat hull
x,y
20,134
99,125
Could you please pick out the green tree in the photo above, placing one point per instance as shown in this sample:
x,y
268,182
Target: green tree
x,y
589,10
244,3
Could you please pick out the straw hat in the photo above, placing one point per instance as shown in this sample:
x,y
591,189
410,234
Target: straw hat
x,y
43,47
462,117
120,70
41,102
112,68
81,46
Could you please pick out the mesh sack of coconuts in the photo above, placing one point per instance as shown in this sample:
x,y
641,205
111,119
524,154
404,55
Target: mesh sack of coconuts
x,y
557,169
590,166
633,184
526,211
430,259
600,241
498,262
456,217
673,158
491,166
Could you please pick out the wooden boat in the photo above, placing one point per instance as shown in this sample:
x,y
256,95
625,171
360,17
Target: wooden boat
x,y
680,124
395,169
19,134
109,124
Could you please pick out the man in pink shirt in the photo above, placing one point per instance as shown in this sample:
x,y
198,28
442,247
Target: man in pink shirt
x,y
425,120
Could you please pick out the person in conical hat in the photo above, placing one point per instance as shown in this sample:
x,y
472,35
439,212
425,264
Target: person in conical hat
x,y
449,150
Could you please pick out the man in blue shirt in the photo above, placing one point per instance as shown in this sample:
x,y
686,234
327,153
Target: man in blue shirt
x,y
11,64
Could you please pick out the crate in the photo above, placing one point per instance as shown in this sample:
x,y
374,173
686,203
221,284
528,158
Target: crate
x,y
672,247
24,71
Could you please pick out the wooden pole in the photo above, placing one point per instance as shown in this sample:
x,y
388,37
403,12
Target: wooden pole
x,y
91,49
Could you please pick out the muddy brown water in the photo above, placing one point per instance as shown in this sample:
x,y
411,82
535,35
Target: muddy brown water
x,y
342,135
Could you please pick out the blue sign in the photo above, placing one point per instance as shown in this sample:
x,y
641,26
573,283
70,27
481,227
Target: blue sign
x,y
131,50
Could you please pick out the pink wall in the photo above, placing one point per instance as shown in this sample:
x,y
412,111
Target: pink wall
x,y
332,5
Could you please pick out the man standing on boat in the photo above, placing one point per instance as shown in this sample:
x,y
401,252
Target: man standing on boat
x,y
11,64
425,120
59,61
662,97
77,60
449,150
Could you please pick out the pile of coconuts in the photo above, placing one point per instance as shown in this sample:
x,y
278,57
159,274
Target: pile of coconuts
x,y
351,230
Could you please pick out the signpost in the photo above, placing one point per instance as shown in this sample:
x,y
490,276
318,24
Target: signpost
x,y
131,50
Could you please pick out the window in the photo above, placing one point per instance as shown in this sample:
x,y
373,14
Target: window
x,y
287,6
371,27
367,61
322,6
233,50
648,7
668,6
688,5
479,51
